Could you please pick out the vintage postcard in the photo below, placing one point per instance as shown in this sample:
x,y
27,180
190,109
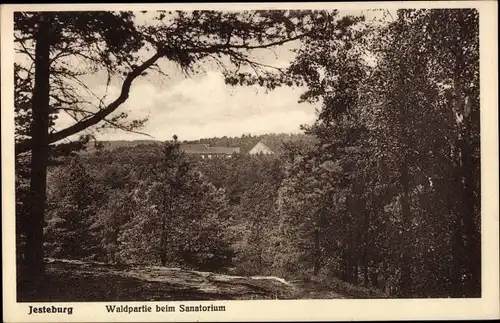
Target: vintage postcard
x,y
250,162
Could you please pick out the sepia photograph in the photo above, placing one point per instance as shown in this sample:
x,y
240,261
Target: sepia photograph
x,y
177,158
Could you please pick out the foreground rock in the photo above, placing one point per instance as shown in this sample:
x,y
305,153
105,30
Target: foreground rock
x,y
70,280
79,281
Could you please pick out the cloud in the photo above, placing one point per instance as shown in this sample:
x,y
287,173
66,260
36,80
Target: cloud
x,y
204,106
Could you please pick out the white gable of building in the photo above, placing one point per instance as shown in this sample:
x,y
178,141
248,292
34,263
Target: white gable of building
x,y
260,148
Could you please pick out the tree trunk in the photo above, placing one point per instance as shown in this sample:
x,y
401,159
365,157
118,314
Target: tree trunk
x,y
34,266
405,206
348,267
405,287
467,210
365,249
116,244
452,187
317,252
163,242
457,248
472,236
374,278
343,266
366,237
355,270
406,212
366,281
258,240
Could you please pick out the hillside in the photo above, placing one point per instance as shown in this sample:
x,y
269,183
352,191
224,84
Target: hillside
x,y
114,144
275,142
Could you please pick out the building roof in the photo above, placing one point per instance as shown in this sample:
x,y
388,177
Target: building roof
x,y
260,148
207,149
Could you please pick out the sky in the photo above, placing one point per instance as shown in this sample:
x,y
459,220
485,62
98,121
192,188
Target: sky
x,y
204,106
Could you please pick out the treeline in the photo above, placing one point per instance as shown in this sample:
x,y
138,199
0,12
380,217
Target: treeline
x,y
278,143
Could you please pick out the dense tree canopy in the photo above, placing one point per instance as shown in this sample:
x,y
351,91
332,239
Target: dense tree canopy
x,y
400,121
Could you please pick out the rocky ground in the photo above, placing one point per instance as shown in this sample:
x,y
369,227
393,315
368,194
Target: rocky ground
x,y
72,281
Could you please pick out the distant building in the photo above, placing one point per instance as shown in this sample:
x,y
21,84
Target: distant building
x,y
260,149
207,151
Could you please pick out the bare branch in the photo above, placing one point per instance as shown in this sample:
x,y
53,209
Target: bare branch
x,y
25,49
121,127
110,122
18,39
100,115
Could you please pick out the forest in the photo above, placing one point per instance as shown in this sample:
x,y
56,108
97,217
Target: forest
x,y
382,191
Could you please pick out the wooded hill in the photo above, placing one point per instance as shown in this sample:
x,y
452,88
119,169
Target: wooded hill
x,y
278,143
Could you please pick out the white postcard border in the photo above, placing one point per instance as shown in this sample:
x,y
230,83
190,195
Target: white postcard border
x,y
284,310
